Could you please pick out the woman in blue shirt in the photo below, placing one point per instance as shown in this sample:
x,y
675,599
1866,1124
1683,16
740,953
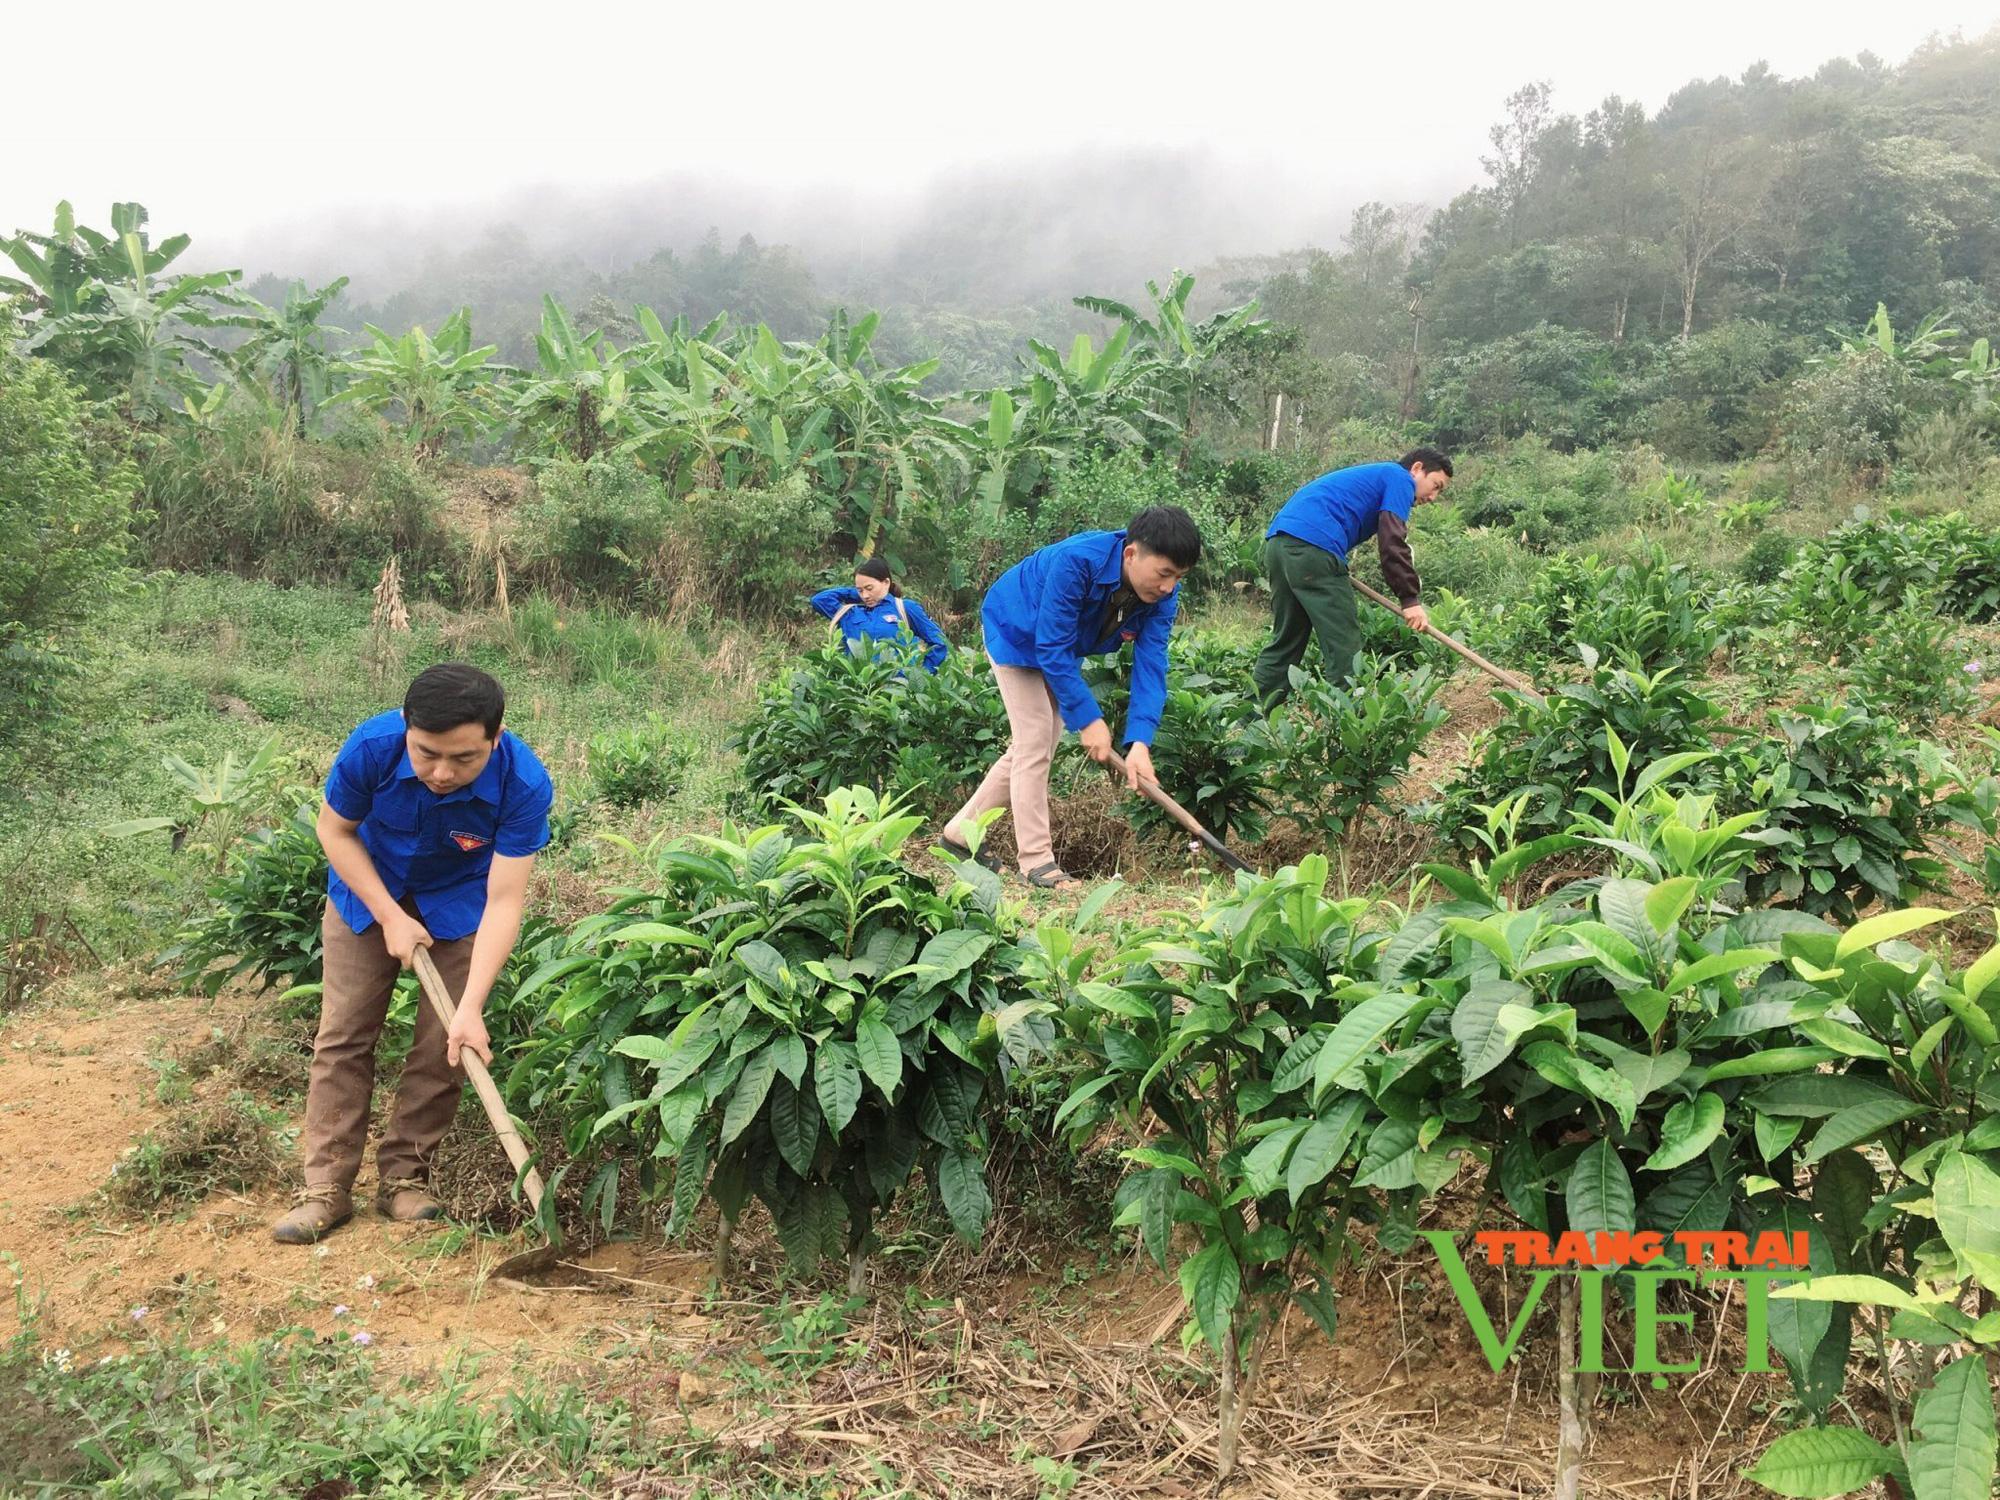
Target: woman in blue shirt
x,y
875,609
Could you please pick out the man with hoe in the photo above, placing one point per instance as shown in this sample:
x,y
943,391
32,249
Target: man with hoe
x,y
1088,595
432,820
1306,552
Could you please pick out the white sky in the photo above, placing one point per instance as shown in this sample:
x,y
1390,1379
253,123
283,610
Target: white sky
x,y
239,118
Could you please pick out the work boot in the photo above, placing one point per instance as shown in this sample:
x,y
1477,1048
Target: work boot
x,y
322,1207
407,1200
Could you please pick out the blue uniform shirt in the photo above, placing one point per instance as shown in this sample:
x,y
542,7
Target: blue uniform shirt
x,y
1338,511
435,849
1044,613
882,623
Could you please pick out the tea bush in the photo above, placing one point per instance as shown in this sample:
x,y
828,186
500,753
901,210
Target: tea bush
x,y
873,719
1335,751
1649,613
1544,755
1858,799
640,763
1251,1186
814,1021
1913,668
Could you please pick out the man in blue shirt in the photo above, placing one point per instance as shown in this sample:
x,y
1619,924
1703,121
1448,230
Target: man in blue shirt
x,y
1305,557
1084,596
875,610
432,820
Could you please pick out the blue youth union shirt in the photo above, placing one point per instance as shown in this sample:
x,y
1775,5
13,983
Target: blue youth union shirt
x,y
1337,512
882,623
435,849
1045,613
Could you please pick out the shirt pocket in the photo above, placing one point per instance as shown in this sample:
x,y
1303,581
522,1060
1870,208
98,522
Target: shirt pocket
x,y
392,833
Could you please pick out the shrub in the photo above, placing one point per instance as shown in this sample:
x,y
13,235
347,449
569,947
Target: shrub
x,y
753,551
816,1019
1210,757
1247,1070
1541,498
1649,613
1844,418
1858,799
66,490
1546,754
598,525
640,763
1335,751
1767,557
264,912
873,719
1912,668
243,496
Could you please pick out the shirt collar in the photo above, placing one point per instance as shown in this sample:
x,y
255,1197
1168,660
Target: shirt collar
x,y
1112,569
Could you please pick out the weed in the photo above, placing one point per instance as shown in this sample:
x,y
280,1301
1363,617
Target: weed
x,y
232,1143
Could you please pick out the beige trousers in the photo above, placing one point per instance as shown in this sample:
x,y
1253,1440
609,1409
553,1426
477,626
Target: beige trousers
x,y
1019,780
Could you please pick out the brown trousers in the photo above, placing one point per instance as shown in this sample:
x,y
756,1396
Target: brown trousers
x,y
1019,780
360,977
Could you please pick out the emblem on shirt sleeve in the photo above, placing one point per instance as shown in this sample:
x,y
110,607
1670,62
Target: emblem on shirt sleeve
x,y
469,841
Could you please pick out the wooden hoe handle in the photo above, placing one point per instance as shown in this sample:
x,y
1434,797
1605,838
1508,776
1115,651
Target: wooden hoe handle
x,y
482,1081
1499,674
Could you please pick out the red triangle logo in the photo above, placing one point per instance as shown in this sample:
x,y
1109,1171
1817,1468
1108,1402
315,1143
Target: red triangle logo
x,y
469,841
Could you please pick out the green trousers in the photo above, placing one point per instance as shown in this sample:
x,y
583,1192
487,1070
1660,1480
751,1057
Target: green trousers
x,y
1310,596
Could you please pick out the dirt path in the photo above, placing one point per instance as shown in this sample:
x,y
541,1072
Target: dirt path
x,y
76,1091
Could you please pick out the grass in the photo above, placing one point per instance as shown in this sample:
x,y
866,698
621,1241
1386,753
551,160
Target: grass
x,y
284,1415
196,666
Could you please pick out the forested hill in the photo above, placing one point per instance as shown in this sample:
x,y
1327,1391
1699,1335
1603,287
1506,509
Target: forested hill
x,y
1787,203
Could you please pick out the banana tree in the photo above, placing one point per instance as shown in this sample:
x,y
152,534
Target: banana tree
x,y
576,399
61,266
1190,359
1925,351
286,348
1091,400
118,329
438,386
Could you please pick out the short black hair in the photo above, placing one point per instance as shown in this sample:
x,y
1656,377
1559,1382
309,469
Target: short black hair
x,y
1169,531
1433,460
453,693
875,568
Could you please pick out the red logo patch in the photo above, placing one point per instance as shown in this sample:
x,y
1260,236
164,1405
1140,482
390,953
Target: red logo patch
x,y
469,841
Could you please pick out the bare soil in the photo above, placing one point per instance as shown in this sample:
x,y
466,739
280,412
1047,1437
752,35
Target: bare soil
x,y
1045,1342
